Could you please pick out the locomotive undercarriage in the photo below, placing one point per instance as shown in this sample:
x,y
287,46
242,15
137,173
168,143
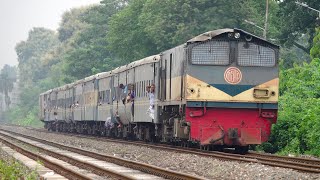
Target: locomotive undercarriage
x,y
172,129
141,131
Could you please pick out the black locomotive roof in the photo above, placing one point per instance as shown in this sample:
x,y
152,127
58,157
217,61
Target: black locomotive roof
x,y
211,34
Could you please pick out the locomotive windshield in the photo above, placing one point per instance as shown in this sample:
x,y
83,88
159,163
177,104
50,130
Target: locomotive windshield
x,y
247,54
250,54
211,53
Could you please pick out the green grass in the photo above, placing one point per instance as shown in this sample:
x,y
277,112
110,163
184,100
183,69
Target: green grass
x,y
13,170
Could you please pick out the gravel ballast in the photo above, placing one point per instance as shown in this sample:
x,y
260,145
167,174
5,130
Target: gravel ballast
x,y
188,163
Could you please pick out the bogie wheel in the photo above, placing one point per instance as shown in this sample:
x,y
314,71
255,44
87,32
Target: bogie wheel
x,y
242,149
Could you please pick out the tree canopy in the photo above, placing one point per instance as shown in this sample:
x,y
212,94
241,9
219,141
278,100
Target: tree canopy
x,y
32,52
296,21
142,28
315,50
8,76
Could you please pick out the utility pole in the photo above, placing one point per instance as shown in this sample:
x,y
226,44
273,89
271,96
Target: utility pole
x,y
306,5
266,21
264,29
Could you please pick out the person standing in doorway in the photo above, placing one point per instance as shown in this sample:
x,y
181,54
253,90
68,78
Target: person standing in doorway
x,y
151,95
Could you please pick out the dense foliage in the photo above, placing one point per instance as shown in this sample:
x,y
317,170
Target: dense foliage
x,y
298,126
13,170
315,50
98,38
296,21
7,78
147,27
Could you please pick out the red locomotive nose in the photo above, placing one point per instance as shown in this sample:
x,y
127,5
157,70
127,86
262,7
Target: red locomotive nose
x,y
230,127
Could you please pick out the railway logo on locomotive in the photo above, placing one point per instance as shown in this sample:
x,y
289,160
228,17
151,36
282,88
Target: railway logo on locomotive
x,y
232,75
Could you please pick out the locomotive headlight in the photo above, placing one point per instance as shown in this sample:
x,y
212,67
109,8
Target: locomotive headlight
x,y
237,35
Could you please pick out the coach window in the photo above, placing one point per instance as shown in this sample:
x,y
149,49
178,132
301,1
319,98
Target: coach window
x,y
101,97
140,88
143,88
250,54
142,95
107,96
137,89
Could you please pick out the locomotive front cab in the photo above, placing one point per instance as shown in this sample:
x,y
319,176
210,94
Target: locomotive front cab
x,y
232,88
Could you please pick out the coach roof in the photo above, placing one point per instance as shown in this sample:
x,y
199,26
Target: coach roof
x,y
90,78
103,74
150,59
120,69
78,82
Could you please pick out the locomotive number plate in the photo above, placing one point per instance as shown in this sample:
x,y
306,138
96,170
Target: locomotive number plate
x,y
232,75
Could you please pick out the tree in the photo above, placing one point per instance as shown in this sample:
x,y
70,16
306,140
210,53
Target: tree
x,y
297,129
31,52
127,39
296,21
89,53
7,78
147,27
71,23
315,50
177,21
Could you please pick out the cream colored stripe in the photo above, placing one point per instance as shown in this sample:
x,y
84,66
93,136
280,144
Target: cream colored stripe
x,y
198,90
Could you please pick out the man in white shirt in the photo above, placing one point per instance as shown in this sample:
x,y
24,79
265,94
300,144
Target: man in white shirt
x,y
151,94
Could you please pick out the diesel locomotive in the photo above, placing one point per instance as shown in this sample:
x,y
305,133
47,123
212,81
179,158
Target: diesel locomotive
x,y
219,89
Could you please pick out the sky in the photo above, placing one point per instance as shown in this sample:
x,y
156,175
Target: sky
x,y
17,17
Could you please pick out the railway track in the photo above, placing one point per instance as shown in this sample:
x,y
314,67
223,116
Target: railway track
x,y
58,168
296,163
99,164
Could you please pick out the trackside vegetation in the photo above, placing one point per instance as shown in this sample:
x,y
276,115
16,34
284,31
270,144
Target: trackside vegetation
x,y
12,170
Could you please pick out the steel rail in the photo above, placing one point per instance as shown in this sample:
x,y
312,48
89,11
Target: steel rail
x,y
150,169
296,163
60,169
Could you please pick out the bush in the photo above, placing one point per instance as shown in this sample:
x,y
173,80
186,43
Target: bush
x,y
298,127
13,170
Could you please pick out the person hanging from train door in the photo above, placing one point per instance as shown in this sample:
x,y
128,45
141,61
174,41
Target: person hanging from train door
x,y
150,92
122,98
130,97
123,93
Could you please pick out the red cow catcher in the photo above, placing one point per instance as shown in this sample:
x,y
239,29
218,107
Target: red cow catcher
x,y
230,127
